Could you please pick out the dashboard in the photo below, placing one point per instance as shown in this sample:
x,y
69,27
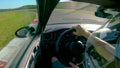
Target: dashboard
x,y
49,39
52,32
52,36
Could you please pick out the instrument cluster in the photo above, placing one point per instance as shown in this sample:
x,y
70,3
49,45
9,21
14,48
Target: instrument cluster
x,y
53,36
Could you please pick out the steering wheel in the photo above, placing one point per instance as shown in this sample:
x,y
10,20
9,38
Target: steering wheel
x,y
70,50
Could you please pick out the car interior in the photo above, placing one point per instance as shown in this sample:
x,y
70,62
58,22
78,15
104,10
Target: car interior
x,y
51,34
58,39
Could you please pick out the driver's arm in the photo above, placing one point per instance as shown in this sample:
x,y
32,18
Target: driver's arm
x,y
103,48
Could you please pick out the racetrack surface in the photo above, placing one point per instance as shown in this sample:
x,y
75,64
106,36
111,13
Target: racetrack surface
x,y
71,16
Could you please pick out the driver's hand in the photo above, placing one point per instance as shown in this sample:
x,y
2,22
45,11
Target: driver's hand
x,y
57,64
81,31
73,65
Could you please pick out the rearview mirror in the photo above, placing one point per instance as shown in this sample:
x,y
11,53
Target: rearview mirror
x,y
101,13
22,32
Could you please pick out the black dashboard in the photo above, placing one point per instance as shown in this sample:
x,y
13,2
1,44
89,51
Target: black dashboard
x,y
48,40
53,35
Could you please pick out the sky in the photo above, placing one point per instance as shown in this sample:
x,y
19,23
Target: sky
x,y
15,3
9,4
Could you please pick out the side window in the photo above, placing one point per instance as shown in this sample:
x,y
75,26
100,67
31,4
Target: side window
x,y
15,14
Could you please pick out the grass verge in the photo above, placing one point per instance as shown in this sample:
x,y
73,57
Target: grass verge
x,y
10,22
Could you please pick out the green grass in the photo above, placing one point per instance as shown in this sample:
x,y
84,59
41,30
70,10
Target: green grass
x,y
10,22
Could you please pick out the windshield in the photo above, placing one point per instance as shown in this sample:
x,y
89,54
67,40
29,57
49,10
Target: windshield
x,y
75,12
14,15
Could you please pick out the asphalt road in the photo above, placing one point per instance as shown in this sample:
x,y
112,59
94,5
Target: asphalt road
x,y
72,16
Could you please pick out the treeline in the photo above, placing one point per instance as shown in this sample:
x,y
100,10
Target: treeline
x,y
28,7
20,8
